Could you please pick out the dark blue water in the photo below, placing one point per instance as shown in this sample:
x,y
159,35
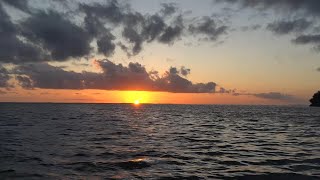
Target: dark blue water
x,y
114,141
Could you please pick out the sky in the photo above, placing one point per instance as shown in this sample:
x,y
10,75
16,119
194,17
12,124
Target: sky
x,y
153,51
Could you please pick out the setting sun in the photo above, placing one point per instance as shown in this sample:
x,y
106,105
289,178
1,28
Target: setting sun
x,y
136,102
136,97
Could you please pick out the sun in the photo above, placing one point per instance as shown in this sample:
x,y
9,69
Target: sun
x,y
136,97
136,102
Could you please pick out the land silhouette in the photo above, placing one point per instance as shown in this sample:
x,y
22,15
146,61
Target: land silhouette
x,y
315,100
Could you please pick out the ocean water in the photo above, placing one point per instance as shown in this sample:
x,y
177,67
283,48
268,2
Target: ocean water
x,y
122,141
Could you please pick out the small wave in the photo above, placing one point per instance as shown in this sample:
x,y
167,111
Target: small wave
x,y
282,176
100,139
137,163
12,174
180,177
81,155
36,159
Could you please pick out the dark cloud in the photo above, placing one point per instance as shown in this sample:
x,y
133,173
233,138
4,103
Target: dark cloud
x,y
207,26
148,29
285,27
170,34
309,9
133,37
153,27
95,27
168,9
24,82
306,6
137,28
4,77
43,75
112,77
105,45
12,48
111,11
173,70
184,71
46,35
58,35
228,91
318,69
274,96
308,39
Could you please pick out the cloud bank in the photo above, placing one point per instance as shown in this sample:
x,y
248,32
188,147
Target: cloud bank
x,y
285,27
309,10
4,77
89,28
112,77
274,96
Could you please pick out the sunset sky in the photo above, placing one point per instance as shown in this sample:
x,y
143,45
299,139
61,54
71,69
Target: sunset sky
x,y
186,51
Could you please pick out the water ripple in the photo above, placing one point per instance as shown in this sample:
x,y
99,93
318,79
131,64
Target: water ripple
x,y
120,141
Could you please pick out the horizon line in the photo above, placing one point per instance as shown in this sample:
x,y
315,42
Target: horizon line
x,y
35,102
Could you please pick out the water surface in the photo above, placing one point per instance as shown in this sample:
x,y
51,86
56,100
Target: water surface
x,y
122,141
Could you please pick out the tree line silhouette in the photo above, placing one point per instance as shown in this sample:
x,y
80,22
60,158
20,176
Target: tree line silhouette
x,y
315,100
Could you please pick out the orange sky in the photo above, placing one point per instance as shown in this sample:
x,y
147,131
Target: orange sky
x,y
102,96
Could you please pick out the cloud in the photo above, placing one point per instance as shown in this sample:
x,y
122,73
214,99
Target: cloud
x,y
4,77
311,7
173,70
154,26
110,11
170,34
45,34
207,26
305,39
112,77
168,9
251,27
318,69
56,34
24,82
285,27
184,71
137,28
19,4
105,45
274,96
12,48
313,39
43,75
133,37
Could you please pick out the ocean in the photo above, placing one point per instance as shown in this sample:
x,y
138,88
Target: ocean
x,y
123,141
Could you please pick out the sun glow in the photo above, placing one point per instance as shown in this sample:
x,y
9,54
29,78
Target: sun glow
x,y
136,97
136,102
